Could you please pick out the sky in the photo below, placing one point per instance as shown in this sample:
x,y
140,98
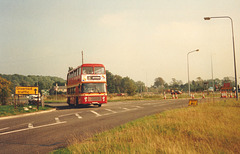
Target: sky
x,y
141,39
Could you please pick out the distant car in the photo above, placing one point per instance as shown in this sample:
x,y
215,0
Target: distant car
x,y
121,94
33,99
176,92
210,89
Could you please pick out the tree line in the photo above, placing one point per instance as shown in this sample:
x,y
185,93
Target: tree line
x,y
197,85
115,84
43,82
118,84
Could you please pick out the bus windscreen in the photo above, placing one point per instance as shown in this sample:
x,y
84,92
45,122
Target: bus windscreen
x,y
93,88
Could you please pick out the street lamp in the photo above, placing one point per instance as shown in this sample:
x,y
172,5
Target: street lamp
x,y
235,69
188,70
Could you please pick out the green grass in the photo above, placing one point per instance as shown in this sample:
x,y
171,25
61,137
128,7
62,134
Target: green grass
x,y
206,128
8,110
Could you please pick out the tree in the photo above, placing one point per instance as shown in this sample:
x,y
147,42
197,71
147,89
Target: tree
x,y
199,84
5,90
110,82
159,82
140,86
128,86
175,84
70,69
117,79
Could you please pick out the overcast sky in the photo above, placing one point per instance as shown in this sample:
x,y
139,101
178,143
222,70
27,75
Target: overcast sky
x,y
142,39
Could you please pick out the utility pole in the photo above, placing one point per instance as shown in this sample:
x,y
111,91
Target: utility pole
x,y
82,57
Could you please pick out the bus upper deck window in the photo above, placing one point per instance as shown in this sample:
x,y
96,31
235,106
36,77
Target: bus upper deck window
x,y
87,70
99,70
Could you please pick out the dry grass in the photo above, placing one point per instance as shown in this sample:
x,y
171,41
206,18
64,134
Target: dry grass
x,y
207,128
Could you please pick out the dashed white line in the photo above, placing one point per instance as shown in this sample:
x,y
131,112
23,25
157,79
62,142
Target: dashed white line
x,y
111,110
4,128
77,115
20,130
30,125
125,108
57,120
70,114
97,114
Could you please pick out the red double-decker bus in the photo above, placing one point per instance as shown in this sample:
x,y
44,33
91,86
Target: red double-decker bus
x,y
86,85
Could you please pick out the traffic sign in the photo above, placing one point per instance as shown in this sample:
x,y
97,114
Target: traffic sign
x,y
26,90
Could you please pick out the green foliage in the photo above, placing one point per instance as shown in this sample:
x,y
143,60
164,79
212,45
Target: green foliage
x,y
128,86
117,84
159,82
44,82
5,90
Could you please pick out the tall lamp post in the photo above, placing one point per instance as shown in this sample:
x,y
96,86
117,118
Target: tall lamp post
x,y
188,70
235,69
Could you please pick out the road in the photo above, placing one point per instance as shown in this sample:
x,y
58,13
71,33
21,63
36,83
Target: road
x,y
45,132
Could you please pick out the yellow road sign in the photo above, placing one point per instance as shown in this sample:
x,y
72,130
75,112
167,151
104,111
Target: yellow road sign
x,y
193,102
26,90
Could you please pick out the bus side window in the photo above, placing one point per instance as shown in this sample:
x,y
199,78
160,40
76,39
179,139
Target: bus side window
x,y
79,88
79,71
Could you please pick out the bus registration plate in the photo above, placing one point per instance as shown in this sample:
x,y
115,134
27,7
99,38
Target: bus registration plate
x,y
94,99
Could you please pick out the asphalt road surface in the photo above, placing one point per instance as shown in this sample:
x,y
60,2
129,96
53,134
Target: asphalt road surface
x,y
42,133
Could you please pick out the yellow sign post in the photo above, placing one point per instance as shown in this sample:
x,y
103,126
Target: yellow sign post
x,y
26,90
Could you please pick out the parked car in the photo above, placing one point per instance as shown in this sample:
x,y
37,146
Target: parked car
x,y
33,99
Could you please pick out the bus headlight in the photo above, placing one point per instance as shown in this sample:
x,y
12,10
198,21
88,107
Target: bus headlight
x,y
85,99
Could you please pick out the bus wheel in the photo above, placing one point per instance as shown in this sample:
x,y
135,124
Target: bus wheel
x,y
99,105
76,105
71,105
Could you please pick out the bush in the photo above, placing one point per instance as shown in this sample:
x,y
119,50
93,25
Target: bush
x,y
5,90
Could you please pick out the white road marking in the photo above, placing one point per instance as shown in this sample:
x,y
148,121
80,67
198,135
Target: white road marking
x,y
30,125
77,115
64,115
97,114
125,108
57,120
111,110
4,128
139,107
20,130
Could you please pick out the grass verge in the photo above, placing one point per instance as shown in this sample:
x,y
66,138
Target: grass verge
x,y
8,110
207,128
